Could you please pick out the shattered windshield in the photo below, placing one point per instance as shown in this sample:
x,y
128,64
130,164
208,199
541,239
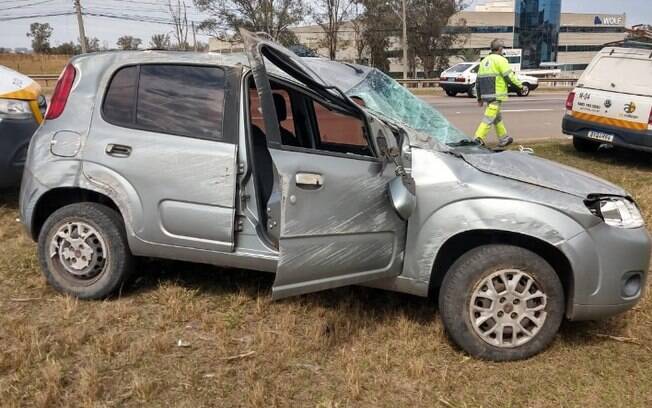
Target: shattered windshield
x,y
382,94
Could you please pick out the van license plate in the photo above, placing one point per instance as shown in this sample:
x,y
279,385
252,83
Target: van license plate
x,y
601,136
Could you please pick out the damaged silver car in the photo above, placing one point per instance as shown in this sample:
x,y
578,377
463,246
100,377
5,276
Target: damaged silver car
x,y
326,174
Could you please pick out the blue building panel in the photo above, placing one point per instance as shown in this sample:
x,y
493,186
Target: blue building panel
x,y
536,30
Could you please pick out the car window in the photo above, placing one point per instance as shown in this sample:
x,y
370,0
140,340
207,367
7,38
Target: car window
x,y
182,100
339,132
120,99
475,69
256,114
458,68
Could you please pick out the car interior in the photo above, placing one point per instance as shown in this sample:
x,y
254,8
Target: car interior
x,y
307,125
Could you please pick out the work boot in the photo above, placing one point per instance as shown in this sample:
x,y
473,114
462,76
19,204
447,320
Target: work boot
x,y
479,141
505,141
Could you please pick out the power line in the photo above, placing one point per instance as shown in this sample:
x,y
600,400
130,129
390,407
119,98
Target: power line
x,y
65,13
27,5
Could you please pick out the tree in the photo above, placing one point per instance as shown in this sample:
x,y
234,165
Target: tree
x,y
40,35
429,36
179,16
469,55
67,48
330,15
358,28
160,41
375,20
128,42
93,44
273,17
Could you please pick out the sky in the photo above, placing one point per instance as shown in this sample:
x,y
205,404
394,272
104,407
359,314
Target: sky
x,y
12,32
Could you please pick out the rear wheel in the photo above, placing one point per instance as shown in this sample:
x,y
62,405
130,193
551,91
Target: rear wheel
x,y
525,89
471,92
451,93
585,145
83,250
501,303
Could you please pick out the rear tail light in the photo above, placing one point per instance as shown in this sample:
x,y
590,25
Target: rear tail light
x,y
570,100
442,78
649,121
61,92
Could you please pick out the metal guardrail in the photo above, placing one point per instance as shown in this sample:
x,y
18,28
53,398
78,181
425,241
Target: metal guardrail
x,y
434,82
48,80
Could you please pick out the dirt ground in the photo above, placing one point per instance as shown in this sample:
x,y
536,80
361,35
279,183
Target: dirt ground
x,y
193,335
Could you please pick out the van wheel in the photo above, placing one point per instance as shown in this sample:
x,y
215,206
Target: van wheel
x,y
501,303
451,93
525,90
585,145
83,250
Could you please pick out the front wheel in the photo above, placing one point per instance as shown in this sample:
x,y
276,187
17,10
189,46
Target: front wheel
x,y
83,250
501,303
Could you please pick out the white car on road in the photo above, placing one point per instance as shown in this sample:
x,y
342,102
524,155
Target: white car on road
x,y
460,78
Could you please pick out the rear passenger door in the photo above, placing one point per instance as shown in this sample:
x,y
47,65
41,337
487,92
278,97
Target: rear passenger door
x,y
167,132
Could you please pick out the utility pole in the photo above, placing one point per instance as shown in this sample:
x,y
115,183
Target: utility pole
x,y
194,37
405,45
82,33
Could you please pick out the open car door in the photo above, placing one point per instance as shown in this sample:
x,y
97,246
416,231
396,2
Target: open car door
x,y
337,225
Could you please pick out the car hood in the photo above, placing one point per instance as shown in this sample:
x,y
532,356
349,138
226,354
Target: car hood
x,y
541,172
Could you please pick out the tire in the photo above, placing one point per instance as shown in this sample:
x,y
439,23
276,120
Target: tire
x,y
525,91
471,92
466,281
92,267
451,93
585,145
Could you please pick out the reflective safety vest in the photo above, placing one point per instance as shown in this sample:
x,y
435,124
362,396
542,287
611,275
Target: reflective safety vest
x,y
494,76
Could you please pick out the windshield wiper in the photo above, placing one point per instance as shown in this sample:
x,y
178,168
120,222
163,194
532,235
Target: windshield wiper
x,y
465,142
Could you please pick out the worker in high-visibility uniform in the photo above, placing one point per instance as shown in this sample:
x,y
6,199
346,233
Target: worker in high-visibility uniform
x,y
494,76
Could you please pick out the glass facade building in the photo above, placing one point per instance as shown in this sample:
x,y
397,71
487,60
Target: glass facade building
x,y
536,30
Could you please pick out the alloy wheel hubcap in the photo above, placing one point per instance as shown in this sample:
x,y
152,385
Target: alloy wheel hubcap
x,y
507,308
79,249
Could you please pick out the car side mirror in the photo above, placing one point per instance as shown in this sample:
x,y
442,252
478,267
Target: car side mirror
x,y
402,194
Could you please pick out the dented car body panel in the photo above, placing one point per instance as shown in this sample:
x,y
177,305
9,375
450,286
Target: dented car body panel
x,y
328,219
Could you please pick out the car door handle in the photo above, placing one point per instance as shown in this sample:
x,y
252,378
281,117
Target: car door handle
x,y
118,150
309,181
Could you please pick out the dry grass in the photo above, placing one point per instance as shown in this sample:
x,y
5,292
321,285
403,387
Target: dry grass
x,y
346,347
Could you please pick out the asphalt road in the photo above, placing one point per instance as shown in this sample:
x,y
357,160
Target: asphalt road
x,y
535,117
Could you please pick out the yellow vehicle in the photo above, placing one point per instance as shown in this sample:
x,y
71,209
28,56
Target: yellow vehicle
x,y
22,108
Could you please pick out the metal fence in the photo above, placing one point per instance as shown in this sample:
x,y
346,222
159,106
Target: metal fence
x,y
49,80
543,82
45,80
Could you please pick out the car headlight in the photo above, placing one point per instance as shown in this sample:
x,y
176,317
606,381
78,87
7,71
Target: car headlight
x,y
617,212
15,109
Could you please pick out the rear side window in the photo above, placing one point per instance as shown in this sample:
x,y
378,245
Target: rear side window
x,y
120,99
182,100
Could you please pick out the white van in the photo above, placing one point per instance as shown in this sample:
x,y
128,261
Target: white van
x,y
612,102
460,78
